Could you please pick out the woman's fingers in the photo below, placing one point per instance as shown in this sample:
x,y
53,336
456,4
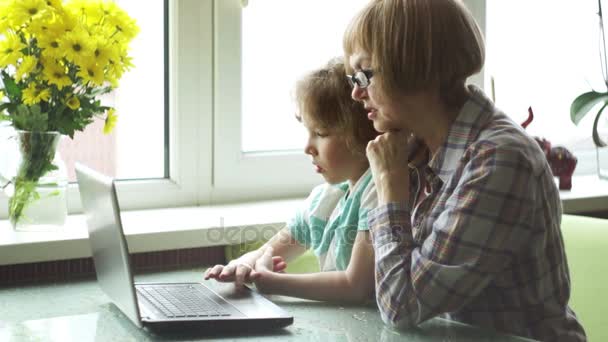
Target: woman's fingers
x,y
388,156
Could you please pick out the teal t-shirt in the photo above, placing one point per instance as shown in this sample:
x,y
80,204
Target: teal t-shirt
x,y
330,219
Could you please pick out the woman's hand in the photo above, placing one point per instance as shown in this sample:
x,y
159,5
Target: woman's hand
x,y
388,156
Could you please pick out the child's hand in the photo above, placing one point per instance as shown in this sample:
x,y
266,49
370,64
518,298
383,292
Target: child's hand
x,y
263,264
240,272
263,267
236,271
278,264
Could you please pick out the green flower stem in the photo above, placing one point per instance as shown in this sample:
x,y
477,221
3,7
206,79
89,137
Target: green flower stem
x,y
38,152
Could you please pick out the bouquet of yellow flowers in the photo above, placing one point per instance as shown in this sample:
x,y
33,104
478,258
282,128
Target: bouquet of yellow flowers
x,y
56,59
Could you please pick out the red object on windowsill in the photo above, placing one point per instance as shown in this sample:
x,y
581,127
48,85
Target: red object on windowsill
x,y
561,161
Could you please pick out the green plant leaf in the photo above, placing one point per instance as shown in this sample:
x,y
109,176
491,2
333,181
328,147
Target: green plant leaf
x,y
7,106
597,140
99,91
12,89
584,103
30,118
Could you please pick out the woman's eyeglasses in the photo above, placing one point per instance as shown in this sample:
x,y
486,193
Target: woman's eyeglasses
x,y
360,78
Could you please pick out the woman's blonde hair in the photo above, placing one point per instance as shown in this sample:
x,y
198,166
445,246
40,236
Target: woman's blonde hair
x,y
417,45
323,96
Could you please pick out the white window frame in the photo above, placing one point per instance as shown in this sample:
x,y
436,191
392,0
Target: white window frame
x,y
190,119
239,175
235,172
478,9
190,124
206,162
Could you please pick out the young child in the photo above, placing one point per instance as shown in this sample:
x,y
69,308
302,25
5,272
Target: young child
x,y
333,219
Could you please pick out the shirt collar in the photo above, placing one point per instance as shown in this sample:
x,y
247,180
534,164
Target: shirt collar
x,y
473,116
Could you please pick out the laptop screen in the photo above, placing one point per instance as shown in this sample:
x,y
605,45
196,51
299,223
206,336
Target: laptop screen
x,y
106,236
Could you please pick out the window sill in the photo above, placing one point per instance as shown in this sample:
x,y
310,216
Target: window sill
x,y
588,194
191,227
152,230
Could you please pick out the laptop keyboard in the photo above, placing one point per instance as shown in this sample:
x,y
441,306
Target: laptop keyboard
x,y
182,300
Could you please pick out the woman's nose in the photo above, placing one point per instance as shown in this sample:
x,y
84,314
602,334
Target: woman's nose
x,y
358,93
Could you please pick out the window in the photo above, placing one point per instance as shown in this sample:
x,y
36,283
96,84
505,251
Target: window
x,y
543,54
137,152
261,51
136,147
223,128
308,37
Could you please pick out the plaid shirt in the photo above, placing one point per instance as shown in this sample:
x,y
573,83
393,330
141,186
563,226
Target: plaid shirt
x,y
484,247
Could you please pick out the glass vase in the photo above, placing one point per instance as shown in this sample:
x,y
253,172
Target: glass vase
x,y
38,188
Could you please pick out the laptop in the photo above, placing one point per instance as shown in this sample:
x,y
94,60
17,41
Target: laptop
x,y
162,306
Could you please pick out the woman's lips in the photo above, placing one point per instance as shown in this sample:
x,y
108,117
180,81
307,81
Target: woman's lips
x,y
318,169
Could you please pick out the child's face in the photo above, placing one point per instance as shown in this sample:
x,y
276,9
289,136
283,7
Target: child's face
x,y
331,156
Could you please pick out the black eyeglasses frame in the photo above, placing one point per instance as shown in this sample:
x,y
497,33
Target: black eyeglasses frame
x,y
361,78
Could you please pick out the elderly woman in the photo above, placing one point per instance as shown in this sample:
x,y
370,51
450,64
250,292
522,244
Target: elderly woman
x,y
468,222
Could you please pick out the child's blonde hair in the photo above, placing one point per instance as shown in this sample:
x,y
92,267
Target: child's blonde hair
x,y
324,96
416,45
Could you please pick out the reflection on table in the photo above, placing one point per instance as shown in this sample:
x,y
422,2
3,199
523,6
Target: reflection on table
x,y
79,311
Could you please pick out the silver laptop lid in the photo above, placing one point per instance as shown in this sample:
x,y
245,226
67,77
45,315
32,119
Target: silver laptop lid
x,y
106,236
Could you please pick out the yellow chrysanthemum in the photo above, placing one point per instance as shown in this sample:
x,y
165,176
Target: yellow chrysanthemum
x,y
4,16
125,28
24,10
110,121
90,13
77,46
118,66
55,73
112,80
62,23
49,41
25,68
34,94
78,7
55,4
104,52
10,49
39,25
94,12
51,48
1,95
91,72
73,103
37,28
